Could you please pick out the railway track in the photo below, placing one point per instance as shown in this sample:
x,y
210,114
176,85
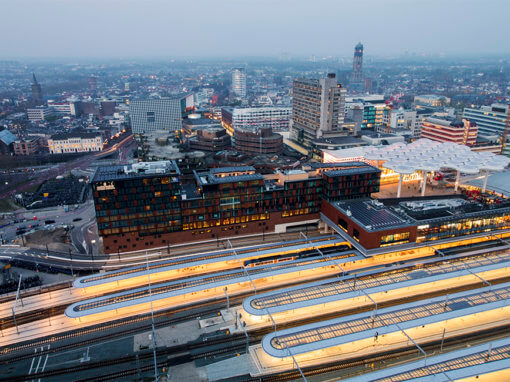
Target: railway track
x,y
430,349
141,318
255,337
187,353
27,317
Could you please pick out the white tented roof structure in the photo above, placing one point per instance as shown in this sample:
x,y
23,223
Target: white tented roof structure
x,y
426,155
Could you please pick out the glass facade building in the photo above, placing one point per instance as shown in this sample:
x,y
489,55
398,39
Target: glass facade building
x,y
146,205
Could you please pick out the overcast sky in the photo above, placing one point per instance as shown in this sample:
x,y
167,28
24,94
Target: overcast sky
x,y
236,28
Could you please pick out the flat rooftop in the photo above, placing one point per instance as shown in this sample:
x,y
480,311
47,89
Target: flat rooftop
x,y
383,214
371,214
136,170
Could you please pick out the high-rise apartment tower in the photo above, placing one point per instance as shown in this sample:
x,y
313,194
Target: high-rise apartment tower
x,y
239,82
317,109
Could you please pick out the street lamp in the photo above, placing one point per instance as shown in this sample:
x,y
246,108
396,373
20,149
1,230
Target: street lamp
x,y
92,249
71,257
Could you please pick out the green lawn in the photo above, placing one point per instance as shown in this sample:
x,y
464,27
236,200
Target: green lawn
x,y
7,205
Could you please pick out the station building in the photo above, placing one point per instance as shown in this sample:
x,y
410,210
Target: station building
x,y
147,205
379,223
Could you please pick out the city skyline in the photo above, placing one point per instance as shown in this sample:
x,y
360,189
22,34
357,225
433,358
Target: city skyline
x,y
241,28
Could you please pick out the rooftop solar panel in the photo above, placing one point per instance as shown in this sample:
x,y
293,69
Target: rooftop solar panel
x,y
370,216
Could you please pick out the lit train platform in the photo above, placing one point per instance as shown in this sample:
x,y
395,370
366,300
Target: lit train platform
x,y
200,288
390,329
489,362
198,264
379,286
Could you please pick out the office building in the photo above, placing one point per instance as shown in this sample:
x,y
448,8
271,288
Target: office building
x,y
491,120
72,108
211,139
375,114
317,109
90,108
368,85
276,118
92,83
155,114
40,113
75,142
239,82
357,65
146,205
257,140
28,147
37,96
448,129
108,107
403,122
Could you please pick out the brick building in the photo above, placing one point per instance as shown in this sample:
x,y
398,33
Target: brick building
x,y
147,205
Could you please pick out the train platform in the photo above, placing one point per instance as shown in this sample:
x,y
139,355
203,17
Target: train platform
x,y
199,264
393,328
195,289
489,361
378,286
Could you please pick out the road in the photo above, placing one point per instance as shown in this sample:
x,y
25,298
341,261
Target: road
x,y
109,262
60,169
85,215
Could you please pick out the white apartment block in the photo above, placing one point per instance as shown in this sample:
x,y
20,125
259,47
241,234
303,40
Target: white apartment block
x,y
75,143
277,118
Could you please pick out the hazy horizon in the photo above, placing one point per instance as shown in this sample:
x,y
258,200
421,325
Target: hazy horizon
x,y
157,29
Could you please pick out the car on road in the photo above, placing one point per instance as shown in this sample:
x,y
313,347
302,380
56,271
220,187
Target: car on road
x,y
49,221
77,219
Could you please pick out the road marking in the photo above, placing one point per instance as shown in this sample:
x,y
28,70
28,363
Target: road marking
x,y
32,364
39,362
44,365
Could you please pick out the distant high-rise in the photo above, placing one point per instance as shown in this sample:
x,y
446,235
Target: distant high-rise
x,y
368,85
357,65
317,109
93,83
37,97
239,82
